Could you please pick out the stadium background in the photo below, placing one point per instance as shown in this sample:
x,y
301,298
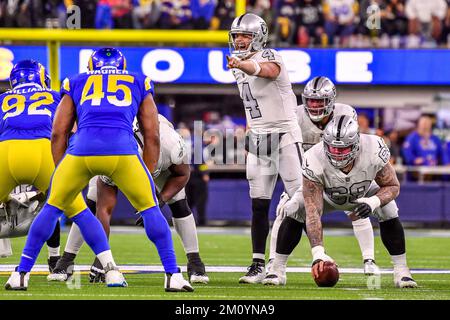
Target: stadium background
x,y
393,72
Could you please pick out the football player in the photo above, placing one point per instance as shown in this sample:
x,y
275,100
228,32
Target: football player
x,y
171,176
104,101
318,109
350,171
273,136
26,116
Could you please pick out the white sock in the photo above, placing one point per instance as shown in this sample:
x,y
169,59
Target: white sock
x,y
260,256
274,236
106,257
53,252
187,231
75,240
364,234
280,262
399,261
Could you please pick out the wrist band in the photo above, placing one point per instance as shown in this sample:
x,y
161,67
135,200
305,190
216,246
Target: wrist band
x,y
257,68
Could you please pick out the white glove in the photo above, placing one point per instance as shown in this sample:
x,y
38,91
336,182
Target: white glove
x,y
318,253
283,199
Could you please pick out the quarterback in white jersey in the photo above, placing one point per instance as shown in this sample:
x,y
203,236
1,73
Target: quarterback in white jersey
x,y
171,176
351,171
273,137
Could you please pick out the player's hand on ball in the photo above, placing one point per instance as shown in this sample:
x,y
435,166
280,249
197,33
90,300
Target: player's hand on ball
x,y
233,62
319,257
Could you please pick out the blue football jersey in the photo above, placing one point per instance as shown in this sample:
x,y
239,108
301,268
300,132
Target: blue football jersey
x,y
107,102
27,113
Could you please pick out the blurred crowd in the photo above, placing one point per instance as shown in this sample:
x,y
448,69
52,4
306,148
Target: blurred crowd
x,y
305,23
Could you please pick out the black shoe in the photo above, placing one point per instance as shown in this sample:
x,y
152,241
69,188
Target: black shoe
x,y
255,274
197,273
52,261
96,273
62,271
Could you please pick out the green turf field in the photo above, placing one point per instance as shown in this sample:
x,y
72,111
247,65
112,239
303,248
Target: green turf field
x,y
234,250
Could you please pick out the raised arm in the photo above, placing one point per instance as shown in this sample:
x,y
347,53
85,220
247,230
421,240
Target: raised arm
x,y
269,70
63,123
149,125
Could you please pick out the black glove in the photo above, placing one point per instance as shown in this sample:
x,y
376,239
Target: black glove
x,y
362,210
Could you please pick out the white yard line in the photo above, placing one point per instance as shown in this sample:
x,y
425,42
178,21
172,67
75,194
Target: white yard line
x,y
225,269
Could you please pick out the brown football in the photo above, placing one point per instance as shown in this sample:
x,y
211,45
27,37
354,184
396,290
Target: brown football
x,y
329,276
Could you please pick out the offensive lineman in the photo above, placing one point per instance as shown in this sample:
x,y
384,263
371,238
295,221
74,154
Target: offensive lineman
x,y
273,136
317,110
351,171
171,176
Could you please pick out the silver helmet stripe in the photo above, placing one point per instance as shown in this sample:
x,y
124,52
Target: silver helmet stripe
x,y
240,19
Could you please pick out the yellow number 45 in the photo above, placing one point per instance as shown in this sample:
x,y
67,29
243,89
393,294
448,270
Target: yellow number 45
x,y
93,90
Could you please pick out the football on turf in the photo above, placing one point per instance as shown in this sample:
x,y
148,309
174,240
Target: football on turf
x,y
329,276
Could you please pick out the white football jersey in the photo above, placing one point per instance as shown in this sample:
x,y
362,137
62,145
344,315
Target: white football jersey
x,y
172,149
269,104
310,132
340,189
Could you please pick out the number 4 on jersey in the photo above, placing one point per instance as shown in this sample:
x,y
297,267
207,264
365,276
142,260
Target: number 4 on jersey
x,y
250,103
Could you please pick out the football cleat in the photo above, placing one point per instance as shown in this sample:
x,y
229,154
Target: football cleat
x,y
174,282
62,271
255,274
52,261
370,267
274,279
269,266
18,281
113,277
196,272
403,278
96,273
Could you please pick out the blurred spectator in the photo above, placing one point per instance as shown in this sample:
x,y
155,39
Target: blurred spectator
x,y
145,13
421,147
287,13
364,124
260,8
310,22
202,13
103,15
224,15
425,21
175,14
121,13
87,8
15,13
340,20
394,21
446,26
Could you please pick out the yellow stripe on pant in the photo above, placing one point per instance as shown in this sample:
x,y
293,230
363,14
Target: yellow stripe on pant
x,y
29,162
128,172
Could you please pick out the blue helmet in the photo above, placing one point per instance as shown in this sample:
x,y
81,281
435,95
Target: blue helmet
x,y
104,57
29,71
